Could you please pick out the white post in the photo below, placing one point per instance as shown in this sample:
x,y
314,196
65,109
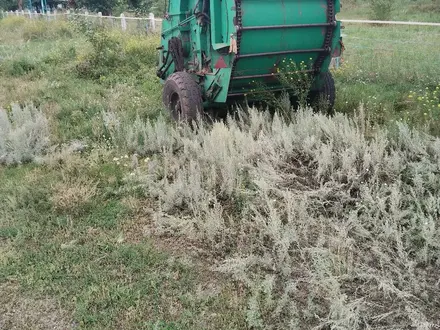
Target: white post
x,y
123,22
100,18
152,22
29,13
55,14
16,13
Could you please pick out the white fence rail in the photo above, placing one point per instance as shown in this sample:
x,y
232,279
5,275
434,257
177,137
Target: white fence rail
x,y
153,24
149,24
389,22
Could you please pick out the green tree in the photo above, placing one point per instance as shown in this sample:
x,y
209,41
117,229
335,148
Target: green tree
x,y
103,6
143,7
382,9
8,4
107,7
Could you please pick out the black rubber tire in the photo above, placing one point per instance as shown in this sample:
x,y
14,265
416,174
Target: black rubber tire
x,y
323,100
182,96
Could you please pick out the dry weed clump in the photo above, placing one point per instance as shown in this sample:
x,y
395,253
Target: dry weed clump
x,y
138,136
24,134
327,229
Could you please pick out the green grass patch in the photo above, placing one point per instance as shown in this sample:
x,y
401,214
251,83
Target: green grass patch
x,y
84,258
401,10
382,65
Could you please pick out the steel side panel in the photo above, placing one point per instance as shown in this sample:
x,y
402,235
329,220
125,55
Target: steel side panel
x,y
222,78
279,12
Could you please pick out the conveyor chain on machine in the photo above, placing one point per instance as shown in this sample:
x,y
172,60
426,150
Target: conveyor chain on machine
x,y
328,36
239,25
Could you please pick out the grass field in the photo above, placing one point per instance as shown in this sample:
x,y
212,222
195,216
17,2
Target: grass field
x,y
402,10
113,218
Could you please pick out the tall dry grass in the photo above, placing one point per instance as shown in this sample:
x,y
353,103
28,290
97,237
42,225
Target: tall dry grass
x,y
18,27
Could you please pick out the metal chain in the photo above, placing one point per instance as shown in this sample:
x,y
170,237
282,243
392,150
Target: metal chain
x,y
328,36
239,26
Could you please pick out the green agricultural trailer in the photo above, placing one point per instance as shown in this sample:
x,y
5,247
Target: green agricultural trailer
x,y
215,51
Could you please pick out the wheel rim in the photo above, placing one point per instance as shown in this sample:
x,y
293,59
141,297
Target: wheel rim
x,y
175,106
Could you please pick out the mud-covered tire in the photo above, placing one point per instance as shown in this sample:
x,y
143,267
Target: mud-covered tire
x,y
182,96
323,100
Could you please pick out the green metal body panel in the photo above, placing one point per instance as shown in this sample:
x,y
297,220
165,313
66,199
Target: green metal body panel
x,y
266,33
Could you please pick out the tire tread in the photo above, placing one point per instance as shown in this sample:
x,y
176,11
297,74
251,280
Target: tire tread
x,y
189,93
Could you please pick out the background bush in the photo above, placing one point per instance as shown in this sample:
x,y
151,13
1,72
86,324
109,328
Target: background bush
x,y
381,9
115,53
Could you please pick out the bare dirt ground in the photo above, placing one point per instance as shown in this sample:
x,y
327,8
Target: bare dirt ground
x,y
19,312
